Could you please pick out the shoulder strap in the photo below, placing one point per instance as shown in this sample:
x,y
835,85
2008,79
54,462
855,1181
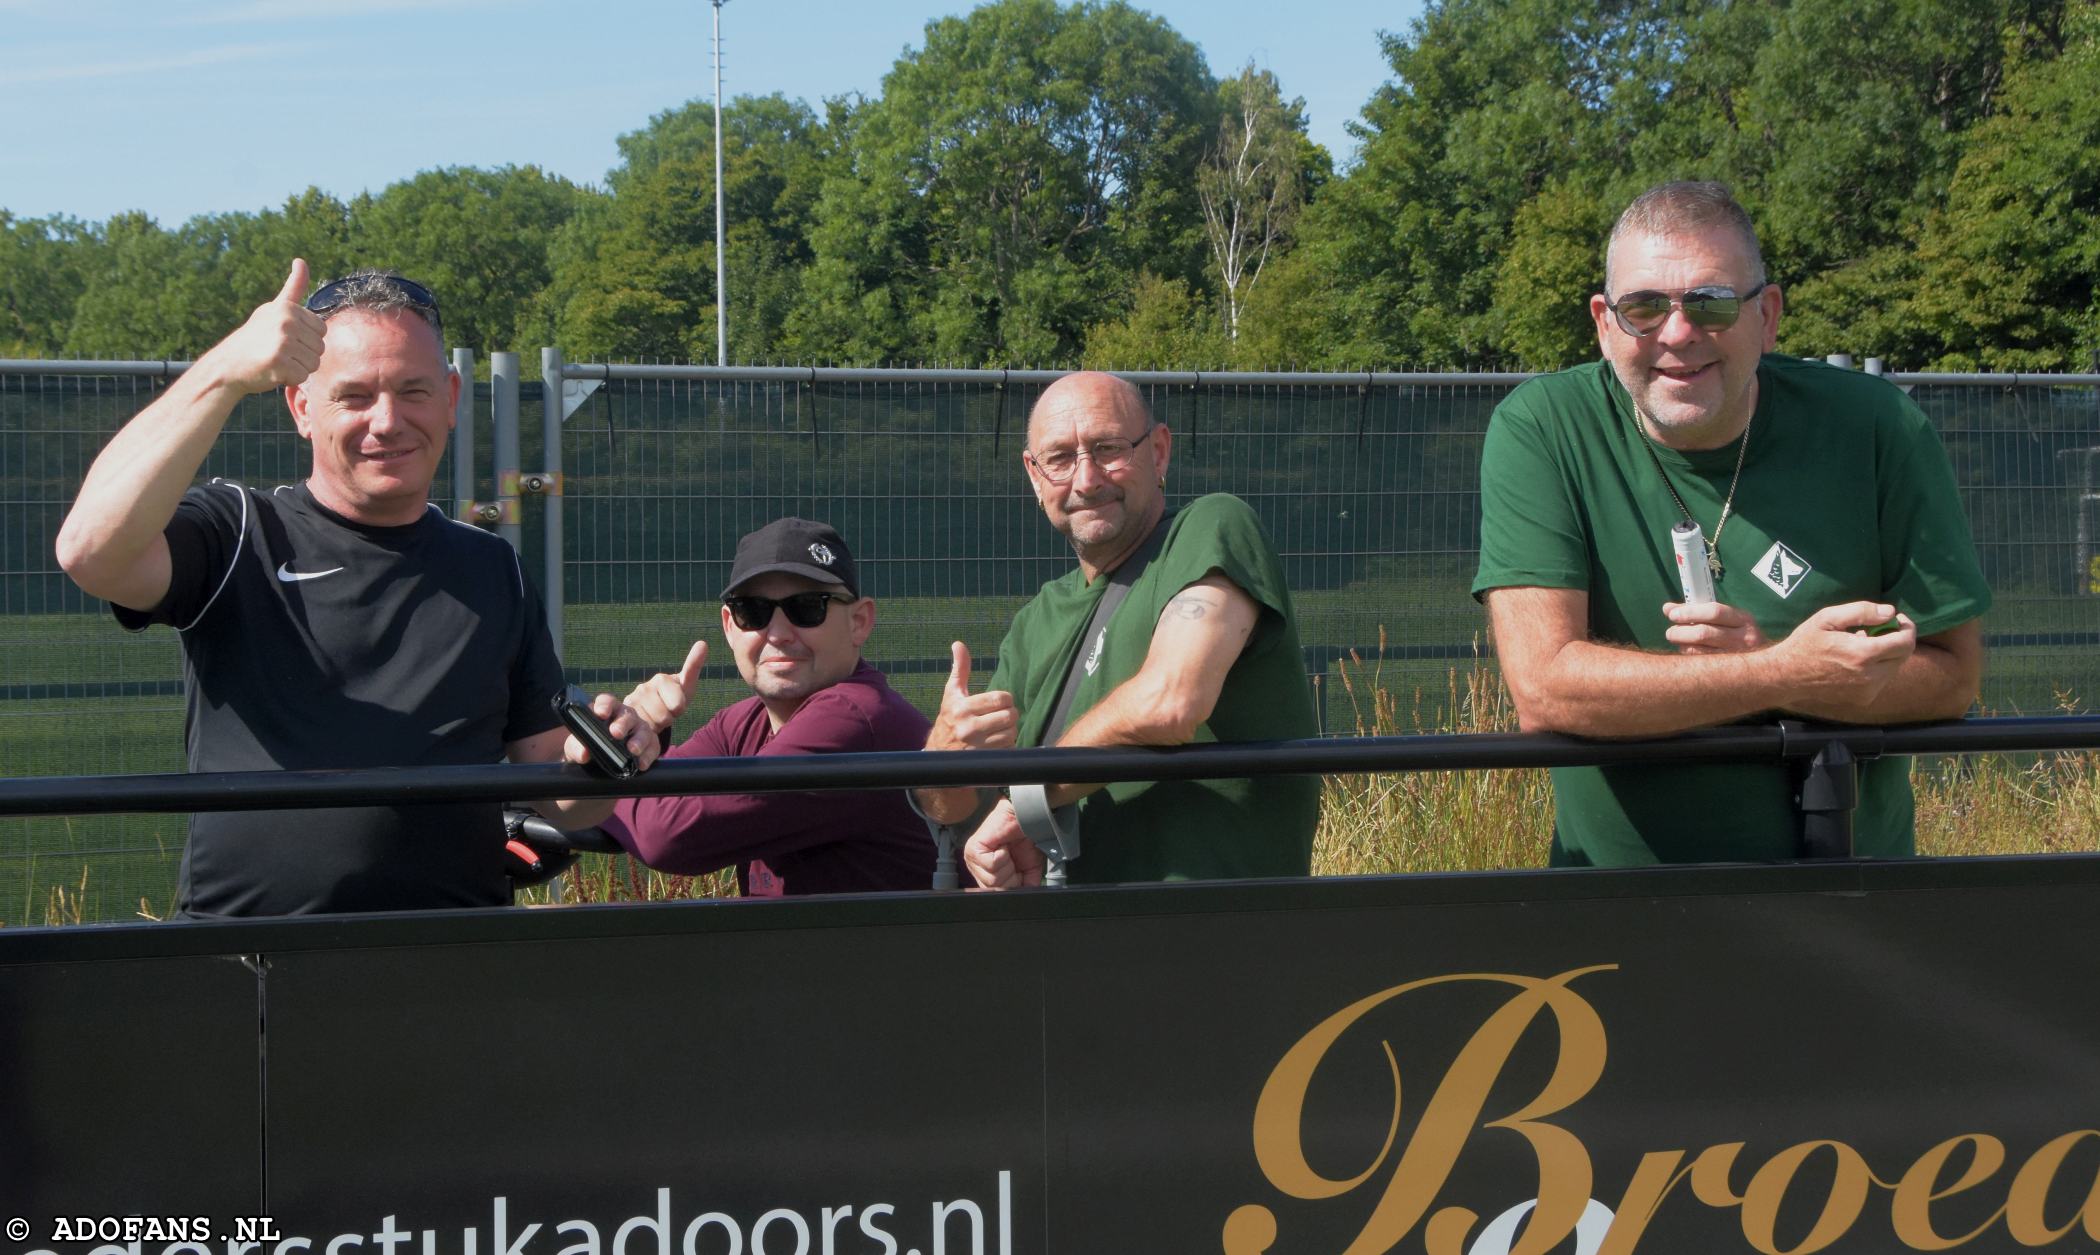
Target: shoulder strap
x,y
1119,582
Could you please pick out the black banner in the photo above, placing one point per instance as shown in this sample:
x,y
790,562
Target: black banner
x,y
1783,1060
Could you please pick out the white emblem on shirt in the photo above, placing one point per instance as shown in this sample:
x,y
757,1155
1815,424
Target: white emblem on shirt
x,y
1782,568
1093,658
286,575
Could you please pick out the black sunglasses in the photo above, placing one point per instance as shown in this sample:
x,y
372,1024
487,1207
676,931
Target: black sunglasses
x,y
804,610
1709,309
330,297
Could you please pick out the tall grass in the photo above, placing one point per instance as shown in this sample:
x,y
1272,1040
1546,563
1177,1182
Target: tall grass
x,y
1431,821
2010,803
620,878
1441,821
1480,820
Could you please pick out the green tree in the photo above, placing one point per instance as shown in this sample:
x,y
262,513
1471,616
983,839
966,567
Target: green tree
x,y
1168,327
635,277
1253,182
478,238
1997,273
2009,273
311,224
146,292
1282,326
1542,287
1016,175
1846,129
1860,307
40,282
239,260
1492,102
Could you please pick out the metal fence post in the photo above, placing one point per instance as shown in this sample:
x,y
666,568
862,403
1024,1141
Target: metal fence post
x,y
550,461
2083,499
463,481
503,380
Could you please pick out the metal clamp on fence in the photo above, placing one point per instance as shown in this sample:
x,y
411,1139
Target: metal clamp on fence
x,y
488,513
1055,831
945,873
1828,793
511,485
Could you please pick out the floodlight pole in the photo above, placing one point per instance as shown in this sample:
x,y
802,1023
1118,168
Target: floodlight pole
x,y
721,262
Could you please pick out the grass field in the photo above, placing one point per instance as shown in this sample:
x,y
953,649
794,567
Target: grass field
x,y
120,867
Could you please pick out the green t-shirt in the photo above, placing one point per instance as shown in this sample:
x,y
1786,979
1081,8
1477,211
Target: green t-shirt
x,y
1846,495
1179,829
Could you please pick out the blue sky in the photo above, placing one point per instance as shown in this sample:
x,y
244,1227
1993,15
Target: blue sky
x,y
198,106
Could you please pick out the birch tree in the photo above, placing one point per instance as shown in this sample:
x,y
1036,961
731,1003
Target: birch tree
x,y
1251,185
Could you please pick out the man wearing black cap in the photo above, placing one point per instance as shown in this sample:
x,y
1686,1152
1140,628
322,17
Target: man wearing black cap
x,y
795,623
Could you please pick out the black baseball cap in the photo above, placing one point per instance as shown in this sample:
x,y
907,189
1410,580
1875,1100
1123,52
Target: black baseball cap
x,y
798,547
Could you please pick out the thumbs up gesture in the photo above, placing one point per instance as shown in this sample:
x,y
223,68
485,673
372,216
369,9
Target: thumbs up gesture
x,y
983,721
661,698
279,345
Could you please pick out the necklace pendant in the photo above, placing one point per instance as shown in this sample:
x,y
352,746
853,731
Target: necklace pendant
x,y
1713,563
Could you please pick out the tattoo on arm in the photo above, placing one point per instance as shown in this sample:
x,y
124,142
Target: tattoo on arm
x,y
1189,605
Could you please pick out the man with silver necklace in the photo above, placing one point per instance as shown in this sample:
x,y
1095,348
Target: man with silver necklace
x,y
1846,584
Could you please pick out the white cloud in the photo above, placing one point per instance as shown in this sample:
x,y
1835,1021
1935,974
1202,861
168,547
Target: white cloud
x,y
316,10
136,66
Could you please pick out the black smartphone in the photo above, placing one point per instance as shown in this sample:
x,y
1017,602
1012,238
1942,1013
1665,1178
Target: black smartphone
x,y
608,756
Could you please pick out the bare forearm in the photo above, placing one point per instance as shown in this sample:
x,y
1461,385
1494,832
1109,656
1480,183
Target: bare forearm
x,y
1592,689
575,813
1124,717
1137,712
949,806
1933,683
1199,635
138,479
1140,711
110,543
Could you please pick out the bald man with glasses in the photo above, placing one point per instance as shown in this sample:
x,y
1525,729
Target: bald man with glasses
x,y
1202,646
1844,584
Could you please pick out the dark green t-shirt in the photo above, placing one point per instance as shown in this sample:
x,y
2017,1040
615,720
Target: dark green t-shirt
x,y
1846,495
1179,829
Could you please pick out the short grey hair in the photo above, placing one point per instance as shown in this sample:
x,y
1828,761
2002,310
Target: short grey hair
x,y
1687,208
378,292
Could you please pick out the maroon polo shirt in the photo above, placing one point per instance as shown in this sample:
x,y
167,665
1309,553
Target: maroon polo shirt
x,y
793,843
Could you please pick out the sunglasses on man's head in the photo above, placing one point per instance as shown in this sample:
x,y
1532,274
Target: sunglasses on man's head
x,y
330,297
804,610
1709,309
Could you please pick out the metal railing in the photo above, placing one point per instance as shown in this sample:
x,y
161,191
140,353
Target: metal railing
x,y
1828,758
628,492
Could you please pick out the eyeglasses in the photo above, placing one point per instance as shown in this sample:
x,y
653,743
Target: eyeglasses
x,y
330,297
1059,465
1709,309
804,610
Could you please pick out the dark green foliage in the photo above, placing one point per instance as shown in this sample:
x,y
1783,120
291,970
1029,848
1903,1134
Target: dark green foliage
x,y
1027,190
1016,175
478,238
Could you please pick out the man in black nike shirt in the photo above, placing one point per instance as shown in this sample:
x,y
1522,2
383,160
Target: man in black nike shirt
x,y
341,622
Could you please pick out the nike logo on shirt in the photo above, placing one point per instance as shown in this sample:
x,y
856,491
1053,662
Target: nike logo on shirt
x,y
286,575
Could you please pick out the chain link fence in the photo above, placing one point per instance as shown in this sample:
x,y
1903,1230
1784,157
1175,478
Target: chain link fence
x,y
1368,485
